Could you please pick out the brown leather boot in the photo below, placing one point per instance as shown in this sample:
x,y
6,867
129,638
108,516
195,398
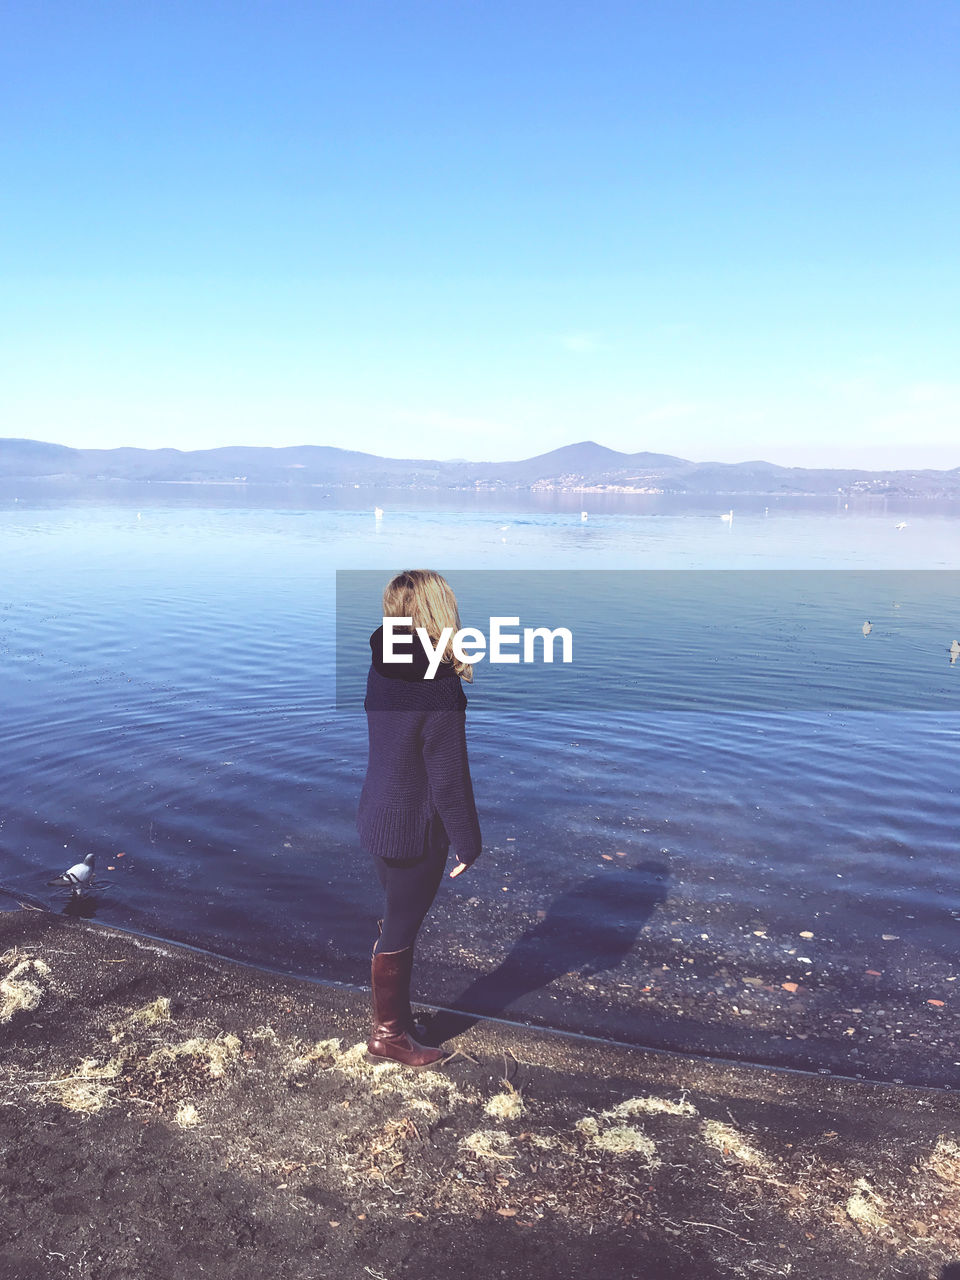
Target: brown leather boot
x,y
390,982
414,1026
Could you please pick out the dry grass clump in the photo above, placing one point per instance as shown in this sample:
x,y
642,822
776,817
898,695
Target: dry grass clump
x,y
543,1141
505,1105
864,1207
425,1107
490,1144
19,991
380,1077
619,1140
265,1032
153,1014
380,1155
77,1094
944,1160
87,1089
162,1077
730,1142
216,1054
565,1173
150,1014
187,1116
649,1106
323,1054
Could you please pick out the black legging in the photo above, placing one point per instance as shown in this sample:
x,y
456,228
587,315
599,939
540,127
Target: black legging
x,y
410,889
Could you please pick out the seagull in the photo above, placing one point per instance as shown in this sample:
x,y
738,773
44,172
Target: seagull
x,y
727,516
78,876
901,525
378,513
867,628
954,652
583,515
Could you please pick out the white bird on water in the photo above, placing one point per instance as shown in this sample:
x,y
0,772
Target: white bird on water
x,y
78,876
727,517
378,513
583,516
901,525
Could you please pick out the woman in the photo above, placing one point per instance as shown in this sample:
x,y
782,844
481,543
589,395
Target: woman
x,y
417,797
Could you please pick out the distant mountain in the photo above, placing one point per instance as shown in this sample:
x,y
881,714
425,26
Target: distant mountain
x,y
587,465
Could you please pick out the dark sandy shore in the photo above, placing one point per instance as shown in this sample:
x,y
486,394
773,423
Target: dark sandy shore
x,y
165,1114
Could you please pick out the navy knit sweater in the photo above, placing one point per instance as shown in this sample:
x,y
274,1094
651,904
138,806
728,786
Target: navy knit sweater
x,y
417,765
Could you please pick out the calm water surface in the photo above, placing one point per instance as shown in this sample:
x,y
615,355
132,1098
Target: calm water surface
x,y
657,876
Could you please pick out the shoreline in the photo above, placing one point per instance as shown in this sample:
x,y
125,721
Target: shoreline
x,y
451,1015
823,1061
169,1108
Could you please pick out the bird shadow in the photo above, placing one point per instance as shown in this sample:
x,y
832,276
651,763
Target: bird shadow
x,y
951,1271
588,929
84,905
83,908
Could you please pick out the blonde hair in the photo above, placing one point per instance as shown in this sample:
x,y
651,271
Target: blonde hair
x,y
425,596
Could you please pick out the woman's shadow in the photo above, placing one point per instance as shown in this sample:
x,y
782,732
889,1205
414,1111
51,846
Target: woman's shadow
x,y
589,928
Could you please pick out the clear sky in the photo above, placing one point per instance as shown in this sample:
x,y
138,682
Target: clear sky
x,y
721,230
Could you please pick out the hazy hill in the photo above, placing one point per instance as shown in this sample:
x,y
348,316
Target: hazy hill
x,y
586,464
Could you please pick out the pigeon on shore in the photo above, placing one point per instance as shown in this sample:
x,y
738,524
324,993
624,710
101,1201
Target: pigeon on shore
x,y
77,876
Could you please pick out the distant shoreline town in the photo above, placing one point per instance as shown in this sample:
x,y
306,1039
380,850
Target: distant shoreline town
x,y
586,467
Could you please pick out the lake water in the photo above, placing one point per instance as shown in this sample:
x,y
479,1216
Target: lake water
x,y
656,868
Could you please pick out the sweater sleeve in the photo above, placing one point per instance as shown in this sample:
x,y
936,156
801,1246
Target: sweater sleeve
x,y
448,774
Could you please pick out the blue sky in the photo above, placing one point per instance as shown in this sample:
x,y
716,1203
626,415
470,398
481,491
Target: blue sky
x,y
722,230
